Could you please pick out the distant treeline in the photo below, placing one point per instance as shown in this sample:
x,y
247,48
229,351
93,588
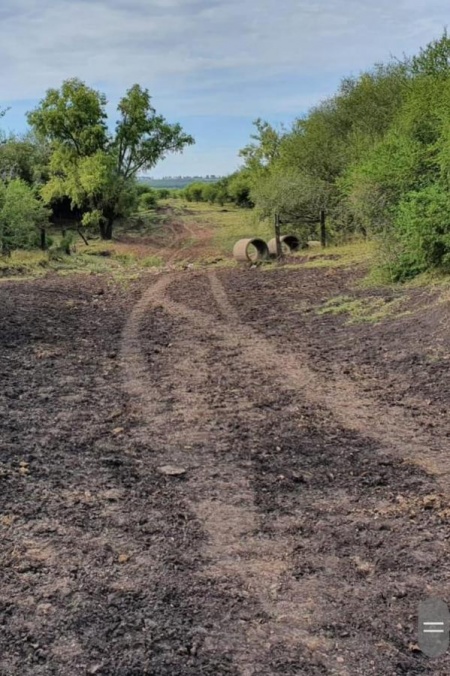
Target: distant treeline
x,y
229,189
177,182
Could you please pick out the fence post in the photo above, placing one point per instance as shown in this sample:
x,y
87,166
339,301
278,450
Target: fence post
x,y
323,229
277,235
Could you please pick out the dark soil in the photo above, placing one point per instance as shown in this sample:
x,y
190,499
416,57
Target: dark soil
x,y
404,362
292,544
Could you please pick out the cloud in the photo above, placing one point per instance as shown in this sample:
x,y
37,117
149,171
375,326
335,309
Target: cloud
x,y
181,42
242,58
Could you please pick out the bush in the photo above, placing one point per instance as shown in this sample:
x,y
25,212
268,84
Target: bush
x,y
422,229
148,200
67,243
239,189
142,188
22,214
194,192
210,192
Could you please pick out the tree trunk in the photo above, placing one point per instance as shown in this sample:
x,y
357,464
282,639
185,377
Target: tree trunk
x,y
43,239
109,228
106,229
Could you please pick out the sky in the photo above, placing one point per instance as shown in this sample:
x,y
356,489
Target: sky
x,y
212,65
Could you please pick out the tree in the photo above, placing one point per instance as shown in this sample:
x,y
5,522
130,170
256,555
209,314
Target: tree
x,y
209,192
239,188
375,156
264,150
434,60
423,231
148,200
290,195
97,170
24,157
164,193
194,192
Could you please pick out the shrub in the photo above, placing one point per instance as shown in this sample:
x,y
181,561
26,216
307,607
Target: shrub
x,y
194,192
423,232
21,216
148,200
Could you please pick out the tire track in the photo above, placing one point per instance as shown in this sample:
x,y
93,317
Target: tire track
x,y
354,410
219,492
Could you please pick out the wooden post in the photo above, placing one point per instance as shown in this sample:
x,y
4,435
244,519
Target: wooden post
x,y
323,229
43,239
277,235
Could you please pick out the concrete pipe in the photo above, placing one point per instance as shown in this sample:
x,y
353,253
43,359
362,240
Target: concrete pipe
x,y
250,250
289,243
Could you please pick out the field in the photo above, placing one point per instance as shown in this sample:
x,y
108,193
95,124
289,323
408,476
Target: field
x,y
178,234
221,470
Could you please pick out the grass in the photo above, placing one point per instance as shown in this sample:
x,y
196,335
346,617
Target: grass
x,y
180,233
433,279
97,257
368,309
23,263
210,234
360,252
88,260
152,262
228,223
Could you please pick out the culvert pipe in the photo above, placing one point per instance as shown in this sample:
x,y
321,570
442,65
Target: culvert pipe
x,y
289,244
250,250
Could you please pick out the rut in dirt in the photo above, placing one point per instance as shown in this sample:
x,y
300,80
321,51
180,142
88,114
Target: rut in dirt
x,y
205,401
220,495
292,544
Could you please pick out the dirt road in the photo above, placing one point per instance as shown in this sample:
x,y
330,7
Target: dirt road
x,y
309,512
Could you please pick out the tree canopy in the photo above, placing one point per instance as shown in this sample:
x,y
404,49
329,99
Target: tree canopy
x,y
94,167
375,156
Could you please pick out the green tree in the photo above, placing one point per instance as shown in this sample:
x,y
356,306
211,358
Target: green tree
x,y
288,194
24,157
239,188
164,193
97,170
434,59
194,192
148,200
264,148
423,232
209,192
375,156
